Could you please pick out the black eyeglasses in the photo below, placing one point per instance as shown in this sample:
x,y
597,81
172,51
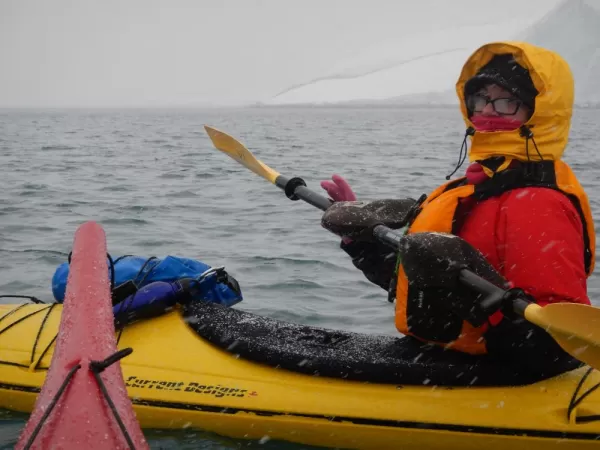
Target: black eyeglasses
x,y
507,106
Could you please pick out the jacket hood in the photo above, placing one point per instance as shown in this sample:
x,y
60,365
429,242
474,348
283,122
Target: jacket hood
x,y
551,119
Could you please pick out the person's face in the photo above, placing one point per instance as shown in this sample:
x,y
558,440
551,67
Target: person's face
x,y
493,100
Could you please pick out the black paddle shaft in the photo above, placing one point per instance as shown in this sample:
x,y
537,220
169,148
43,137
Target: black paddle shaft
x,y
495,296
295,189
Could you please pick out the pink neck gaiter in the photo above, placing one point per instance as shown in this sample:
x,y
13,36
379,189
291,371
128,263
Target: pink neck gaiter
x,y
494,123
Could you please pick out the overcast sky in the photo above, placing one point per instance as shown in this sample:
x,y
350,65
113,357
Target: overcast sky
x,y
194,52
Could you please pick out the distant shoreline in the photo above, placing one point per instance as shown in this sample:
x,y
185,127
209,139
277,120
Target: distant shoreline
x,y
299,106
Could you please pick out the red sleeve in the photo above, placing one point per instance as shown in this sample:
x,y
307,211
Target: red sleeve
x,y
540,244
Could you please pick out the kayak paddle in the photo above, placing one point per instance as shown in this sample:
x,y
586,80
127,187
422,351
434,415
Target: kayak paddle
x,y
294,188
575,327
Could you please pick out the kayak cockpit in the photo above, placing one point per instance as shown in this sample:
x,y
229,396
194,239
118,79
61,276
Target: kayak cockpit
x,y
347,355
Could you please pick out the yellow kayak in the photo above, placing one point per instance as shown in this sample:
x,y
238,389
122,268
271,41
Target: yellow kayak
x,y
245,376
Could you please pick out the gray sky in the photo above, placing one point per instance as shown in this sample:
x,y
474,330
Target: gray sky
x,y
195,52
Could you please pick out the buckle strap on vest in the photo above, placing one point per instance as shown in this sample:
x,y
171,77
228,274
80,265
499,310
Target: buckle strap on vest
x,y
519,175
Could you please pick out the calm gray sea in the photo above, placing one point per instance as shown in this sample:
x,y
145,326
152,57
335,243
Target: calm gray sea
x,y
154,181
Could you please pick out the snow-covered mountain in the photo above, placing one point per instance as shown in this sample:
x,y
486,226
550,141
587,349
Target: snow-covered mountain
x,y
424,69
573,30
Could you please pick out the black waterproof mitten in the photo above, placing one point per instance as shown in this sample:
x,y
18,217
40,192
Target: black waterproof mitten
x,y
432,263
356,220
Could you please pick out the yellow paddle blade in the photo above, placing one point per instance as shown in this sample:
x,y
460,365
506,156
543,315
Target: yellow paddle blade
x,y
574,326
235,149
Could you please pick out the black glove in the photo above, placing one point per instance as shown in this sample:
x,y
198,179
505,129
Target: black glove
x,y
356,220
433,262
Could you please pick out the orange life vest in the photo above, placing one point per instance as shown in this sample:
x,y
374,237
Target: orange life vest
x,y
437,213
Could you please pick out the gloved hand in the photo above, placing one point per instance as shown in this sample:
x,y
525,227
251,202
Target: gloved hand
x,y
356,219
432,263
339,190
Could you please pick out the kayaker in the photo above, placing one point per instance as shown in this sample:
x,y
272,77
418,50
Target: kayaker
x,y
519,204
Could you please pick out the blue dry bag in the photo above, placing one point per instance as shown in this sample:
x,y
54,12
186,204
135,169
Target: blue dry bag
x,y
154,284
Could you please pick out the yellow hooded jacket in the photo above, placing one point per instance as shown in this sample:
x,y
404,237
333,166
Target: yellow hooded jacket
x,y
549,124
